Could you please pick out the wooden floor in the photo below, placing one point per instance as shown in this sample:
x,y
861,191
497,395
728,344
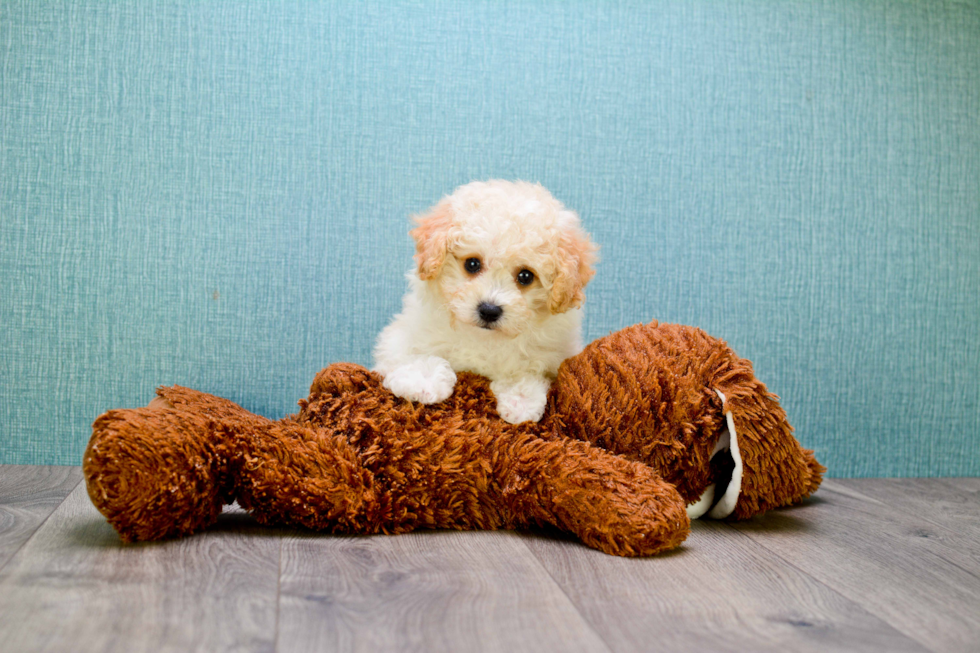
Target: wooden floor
x,y
869,565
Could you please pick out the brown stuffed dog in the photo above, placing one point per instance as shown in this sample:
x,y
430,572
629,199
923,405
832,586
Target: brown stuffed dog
x,y
646,428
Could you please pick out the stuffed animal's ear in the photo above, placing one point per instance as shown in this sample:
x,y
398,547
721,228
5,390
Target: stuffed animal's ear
x,y
575,256
432,239
771,469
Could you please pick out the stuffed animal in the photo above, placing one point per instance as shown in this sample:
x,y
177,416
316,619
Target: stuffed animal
x,y
645,429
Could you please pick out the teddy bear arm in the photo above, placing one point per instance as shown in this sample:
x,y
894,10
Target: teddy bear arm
x,y
611,504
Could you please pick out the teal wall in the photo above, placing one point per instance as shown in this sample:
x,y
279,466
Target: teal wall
x,y
217,194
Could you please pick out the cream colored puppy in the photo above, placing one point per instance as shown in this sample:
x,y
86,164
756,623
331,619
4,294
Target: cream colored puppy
x,y
497,290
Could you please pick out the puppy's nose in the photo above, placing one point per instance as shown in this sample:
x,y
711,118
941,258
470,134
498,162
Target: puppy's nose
x,y
489,312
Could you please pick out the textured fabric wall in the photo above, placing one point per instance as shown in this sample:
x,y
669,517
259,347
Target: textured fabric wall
x,y
217,194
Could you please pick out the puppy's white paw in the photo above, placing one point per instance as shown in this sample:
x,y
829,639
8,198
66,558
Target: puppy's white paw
x,y
427,380
522,400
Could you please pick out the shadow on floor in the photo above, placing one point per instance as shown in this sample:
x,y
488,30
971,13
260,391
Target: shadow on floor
x,y
791,519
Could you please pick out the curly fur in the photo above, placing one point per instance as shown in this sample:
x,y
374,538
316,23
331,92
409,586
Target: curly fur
x,y
624,445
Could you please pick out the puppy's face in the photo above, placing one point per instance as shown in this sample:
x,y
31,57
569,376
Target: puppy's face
x,y
504,256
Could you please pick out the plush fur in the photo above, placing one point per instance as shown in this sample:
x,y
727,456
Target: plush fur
x,y
627,446
503,229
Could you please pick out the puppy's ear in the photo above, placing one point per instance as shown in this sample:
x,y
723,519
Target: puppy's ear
x,y
576,254
432,239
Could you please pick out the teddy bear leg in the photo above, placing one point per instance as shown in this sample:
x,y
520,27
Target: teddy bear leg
x,y
167,469
612,504
154,473
290,471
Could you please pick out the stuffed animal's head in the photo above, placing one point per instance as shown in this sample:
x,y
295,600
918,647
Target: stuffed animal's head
x,y
683,402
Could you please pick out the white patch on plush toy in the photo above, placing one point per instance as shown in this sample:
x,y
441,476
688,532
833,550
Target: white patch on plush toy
x,y
699,507
723,442
726,505
728,439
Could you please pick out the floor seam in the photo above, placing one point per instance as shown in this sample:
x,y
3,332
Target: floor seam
x,y
37,528
918,514
831,588
275,645
561,589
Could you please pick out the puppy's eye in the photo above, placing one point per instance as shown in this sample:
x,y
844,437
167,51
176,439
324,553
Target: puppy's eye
x,y
472,265
525,277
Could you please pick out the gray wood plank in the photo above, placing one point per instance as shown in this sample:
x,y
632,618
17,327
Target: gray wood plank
x,y
424,591
28,495
953,503
968,484
718,592
75,587
919,577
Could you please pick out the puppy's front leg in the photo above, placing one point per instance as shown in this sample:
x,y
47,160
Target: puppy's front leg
x,y
425,379
521,400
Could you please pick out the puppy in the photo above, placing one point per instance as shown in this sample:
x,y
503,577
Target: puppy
x,y
497,290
